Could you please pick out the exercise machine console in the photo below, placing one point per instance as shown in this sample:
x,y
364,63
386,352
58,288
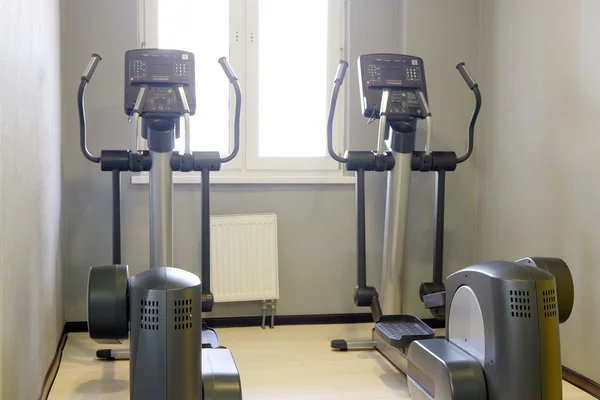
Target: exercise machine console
x,y
172,354
496,311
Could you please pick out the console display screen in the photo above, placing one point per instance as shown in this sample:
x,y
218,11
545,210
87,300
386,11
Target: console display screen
x,y
392,76
160,69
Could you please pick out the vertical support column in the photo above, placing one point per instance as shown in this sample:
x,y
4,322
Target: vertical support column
x,y
161,141
116,214
161,210
396,210
205,231
361,242
438,238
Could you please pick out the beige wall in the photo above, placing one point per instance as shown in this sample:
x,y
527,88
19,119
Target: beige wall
x,y
540,138
31,315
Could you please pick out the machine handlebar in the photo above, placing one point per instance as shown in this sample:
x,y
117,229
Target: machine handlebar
x,y
85,78
227,69
462,68
337,83
238,108
341,72
423,105
91,68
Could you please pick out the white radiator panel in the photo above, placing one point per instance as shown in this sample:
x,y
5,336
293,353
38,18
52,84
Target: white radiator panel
x,y
244,261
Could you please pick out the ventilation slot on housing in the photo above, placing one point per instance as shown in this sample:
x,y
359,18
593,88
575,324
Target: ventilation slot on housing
x,y
182,314
520,304
549,301
149,310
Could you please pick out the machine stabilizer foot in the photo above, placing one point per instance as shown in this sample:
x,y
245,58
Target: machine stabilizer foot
x,y
339,344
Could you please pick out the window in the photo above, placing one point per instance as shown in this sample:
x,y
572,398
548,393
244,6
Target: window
x,y
285,54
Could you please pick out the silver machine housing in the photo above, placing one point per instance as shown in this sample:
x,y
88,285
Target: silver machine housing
x,y
502,335
160,309
165,351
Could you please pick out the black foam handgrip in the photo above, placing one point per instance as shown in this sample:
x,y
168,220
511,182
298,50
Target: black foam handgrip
x,y
341,71
462,68
227,69
89,71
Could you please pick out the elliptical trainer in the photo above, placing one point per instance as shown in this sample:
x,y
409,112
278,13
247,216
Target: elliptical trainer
x,y
496,311
160,309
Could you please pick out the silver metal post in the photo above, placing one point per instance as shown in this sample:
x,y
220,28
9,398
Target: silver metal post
x,y
396,207
385,97
186,116
161,210
137,128
136,132
424,110
188,146
428,137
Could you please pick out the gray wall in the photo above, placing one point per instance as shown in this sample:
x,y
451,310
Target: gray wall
x,y
316,222
443,33
31,312
537,188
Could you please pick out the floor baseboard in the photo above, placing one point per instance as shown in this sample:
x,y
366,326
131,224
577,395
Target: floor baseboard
x,y
54,366
76,326
582,382
310,319
315,319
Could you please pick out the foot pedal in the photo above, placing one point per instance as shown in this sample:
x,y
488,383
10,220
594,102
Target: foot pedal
x,y
433,296
435,300
399,330
210,339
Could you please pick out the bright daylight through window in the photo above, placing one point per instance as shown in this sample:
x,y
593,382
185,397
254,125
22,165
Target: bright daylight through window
x,y
285,54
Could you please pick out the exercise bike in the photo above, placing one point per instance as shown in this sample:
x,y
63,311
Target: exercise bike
x,y
173,355
502,318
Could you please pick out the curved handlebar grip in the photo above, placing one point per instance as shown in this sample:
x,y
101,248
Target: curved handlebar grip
x,y
89,71
140,99
462,68
341,71
423,103
180,93
227,69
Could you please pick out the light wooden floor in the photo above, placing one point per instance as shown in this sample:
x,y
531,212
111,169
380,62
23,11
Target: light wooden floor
x,y
288,362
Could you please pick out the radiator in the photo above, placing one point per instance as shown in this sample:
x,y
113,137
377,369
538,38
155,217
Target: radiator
x,y
243,254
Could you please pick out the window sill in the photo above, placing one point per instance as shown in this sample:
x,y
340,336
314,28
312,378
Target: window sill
x,y
194,179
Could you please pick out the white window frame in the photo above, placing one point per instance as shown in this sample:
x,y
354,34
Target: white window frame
x,y
247,167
